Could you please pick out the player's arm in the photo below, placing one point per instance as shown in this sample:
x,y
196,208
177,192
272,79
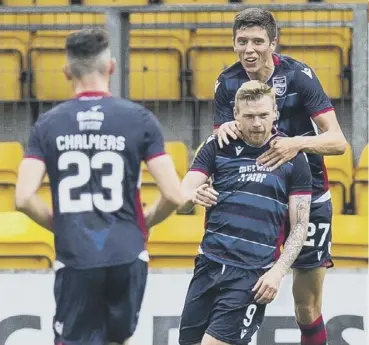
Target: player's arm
x,y
299,210
224,123
330,139
31,173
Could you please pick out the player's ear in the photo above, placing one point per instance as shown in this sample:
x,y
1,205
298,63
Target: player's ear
x,y
67,73
113,63
273,45
235,112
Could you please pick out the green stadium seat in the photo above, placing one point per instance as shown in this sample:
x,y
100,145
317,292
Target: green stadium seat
x,y
340,173
361,184
11,154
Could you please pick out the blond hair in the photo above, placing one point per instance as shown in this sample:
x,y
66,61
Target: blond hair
x,y
254,90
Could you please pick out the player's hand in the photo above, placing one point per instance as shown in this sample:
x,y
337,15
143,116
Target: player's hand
x,y
267,286
228,129
205,196
281,151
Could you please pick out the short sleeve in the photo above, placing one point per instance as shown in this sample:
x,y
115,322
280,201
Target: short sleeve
x,y
223,104
314,99
154,139
35,148
205,158
301,178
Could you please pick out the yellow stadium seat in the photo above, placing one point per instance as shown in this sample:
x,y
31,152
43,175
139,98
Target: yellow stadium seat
x,y
209,54
174,242
13,47
47,58
53,3
11,154
179,153
45,192
340,173
270,2
156,61
346,2
350,241
24,244
194,2
115,2
361,184
18,2
325,50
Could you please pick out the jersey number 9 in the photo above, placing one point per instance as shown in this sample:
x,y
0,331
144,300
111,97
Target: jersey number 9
x,y
87,201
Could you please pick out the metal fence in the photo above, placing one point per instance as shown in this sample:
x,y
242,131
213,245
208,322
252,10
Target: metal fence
x,y
168,58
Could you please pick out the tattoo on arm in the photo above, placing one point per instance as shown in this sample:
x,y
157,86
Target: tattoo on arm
x,y
299,220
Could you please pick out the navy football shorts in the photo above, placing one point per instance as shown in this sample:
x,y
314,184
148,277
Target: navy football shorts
x,y
317,249
220,302
99,305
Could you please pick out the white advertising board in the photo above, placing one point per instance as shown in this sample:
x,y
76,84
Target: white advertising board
x,y
27,307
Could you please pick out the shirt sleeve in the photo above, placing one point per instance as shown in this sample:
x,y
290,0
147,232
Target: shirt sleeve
x,y
223,104
301,178
154,139
35,148
313,97
205,158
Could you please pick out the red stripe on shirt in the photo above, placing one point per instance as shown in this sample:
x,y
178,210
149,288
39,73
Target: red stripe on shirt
x,y
200,170
140,215
325,176
34,157
216,126
301,193
320,112
154,156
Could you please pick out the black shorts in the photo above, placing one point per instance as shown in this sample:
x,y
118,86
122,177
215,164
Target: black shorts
x,y
220,302
317,249
99,305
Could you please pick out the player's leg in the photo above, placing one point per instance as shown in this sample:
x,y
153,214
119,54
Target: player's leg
x,y
80,305
198,303
124,293
236,316
308,276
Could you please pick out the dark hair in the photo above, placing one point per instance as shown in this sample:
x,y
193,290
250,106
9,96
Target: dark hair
x,y
256,17
86,43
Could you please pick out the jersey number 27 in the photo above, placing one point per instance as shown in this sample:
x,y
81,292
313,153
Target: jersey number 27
x,y
87,201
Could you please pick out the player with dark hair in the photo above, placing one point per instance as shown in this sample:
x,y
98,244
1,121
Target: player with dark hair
x,y
240,267
91,148
306,115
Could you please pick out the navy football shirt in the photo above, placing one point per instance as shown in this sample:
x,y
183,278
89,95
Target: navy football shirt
x,y
93,146
300,98
246,227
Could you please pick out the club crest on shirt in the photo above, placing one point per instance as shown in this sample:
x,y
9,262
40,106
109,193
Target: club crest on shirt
x,y
280,85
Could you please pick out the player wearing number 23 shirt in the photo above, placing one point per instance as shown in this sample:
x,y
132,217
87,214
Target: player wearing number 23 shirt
x,y
92,147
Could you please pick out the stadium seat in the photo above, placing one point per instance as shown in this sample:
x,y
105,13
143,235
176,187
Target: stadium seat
x,y
13,47
340,173
350,241
345,1
156,60
47,58
53,3
361,184
44,192
18,2
209,54
115,2
327,58
11,154
194,2
271,2
174,242
24,244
